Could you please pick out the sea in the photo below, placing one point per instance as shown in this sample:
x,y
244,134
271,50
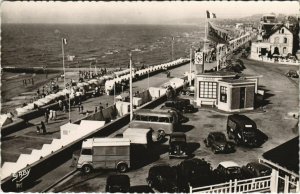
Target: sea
x,y
39,45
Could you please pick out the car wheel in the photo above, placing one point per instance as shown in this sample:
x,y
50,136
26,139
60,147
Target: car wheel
x,y
214,150
86,169
206,143
122,167
230,135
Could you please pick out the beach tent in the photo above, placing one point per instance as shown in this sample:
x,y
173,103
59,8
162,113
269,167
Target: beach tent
x,y
45,100
21,111
5,120
66,129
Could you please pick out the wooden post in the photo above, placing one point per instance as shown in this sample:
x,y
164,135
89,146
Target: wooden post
x,y
297,187
274,181
286,184
235,185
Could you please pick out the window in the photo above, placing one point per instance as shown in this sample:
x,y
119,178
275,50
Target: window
x,y
144,118
153,119
208,90
284,40
223,94
282,31
284,50
86,152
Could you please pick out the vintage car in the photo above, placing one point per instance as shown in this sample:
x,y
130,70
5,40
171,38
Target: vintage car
x,y
255,169
293,74
226,171
194,172
118,183
244,131
177,145
163,178
182,105
190,90
218,143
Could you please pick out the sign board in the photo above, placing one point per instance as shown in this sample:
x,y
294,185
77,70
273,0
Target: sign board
x,y
21,175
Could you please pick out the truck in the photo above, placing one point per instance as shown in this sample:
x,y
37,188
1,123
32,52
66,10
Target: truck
x,y
104,153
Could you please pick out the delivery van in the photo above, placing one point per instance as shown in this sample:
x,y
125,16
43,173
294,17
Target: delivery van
x,y
140,136
105,153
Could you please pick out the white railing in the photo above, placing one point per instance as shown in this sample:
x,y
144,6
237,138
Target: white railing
x,y
260,184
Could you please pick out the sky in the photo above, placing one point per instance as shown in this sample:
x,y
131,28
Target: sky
x,y
135,12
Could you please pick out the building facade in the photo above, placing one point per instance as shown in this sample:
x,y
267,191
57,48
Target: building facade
x,y
279,42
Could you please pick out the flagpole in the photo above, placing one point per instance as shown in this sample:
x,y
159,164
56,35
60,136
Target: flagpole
x,y
172,47
217,53
63,57
191,50
130,85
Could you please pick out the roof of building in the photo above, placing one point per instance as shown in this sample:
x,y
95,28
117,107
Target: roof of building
x,y
217,74
238,81
285,155
275,29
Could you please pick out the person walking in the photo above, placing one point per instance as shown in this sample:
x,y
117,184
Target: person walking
x,y
60,105
43,127
54,115
46,117
38,130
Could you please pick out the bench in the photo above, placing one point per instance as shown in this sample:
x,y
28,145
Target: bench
x,y
206,102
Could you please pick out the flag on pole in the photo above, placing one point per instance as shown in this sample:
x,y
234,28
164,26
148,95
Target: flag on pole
x,y
64,40
208,14
214,15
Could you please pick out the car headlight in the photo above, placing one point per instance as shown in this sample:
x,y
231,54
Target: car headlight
x,y
246,140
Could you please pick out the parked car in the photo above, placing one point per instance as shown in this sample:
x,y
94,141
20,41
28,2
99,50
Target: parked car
x,y
118,183
244,131
190,90
255,169
177,145
218,143
226,171
195,172
163,178
292,73
182,105
181,117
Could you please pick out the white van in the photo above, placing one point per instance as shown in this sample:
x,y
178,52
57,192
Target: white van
x,y
104,153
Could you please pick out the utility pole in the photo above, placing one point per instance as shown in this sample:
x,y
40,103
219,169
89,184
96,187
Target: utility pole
x,y
130,85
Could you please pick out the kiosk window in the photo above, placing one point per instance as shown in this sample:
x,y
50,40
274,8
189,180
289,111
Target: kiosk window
x,y
223,94
208,90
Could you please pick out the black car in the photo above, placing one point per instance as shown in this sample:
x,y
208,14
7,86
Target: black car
x,y
182,105
226,171
163,178
218,143
190,90
255,169
177,145
194,172
292,73
244,131
118,183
